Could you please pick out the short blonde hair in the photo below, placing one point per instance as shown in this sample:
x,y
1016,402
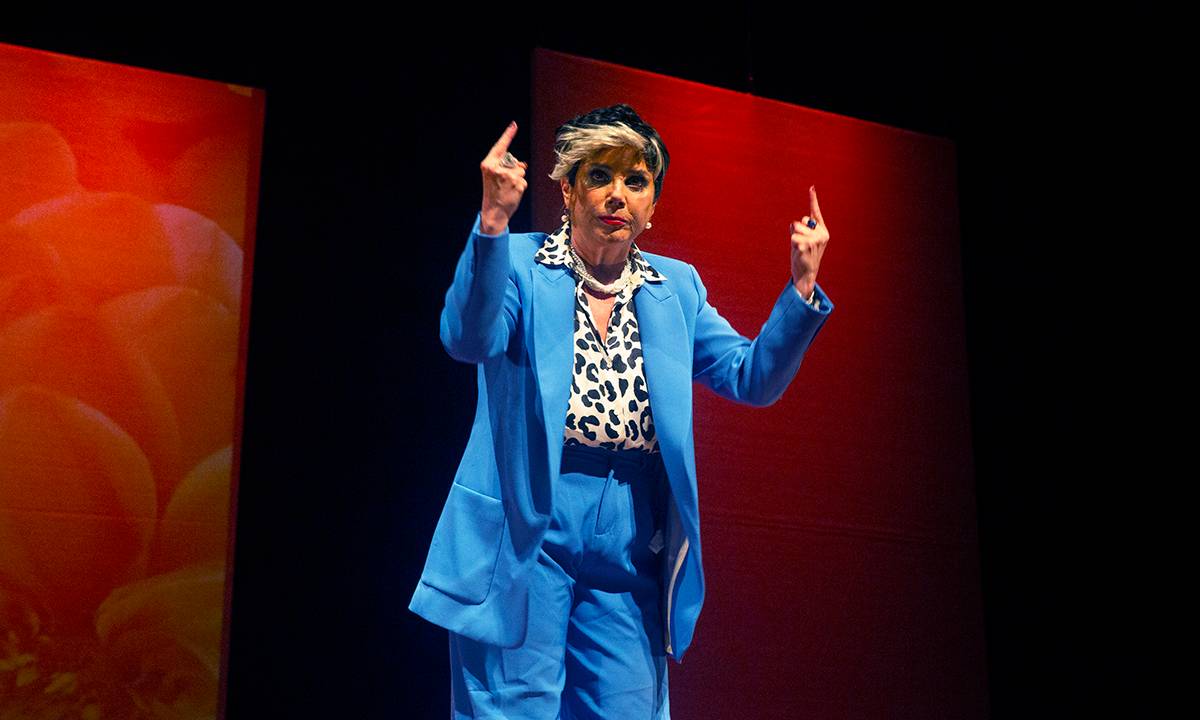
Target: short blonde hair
x,y
617,126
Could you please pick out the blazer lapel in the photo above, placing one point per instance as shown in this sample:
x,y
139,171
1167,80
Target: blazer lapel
x,y
668,349
552,316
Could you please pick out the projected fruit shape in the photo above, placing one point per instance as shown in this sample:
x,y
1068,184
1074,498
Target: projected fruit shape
x,y
77,502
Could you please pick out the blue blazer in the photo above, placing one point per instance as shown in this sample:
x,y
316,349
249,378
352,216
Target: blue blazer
x,y
514,318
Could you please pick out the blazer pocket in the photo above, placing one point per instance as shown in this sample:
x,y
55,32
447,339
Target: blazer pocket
x,y
466,545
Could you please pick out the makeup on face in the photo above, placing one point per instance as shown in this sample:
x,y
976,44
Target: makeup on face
x,y
614,193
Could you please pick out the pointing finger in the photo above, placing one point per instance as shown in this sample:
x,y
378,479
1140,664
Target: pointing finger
x,y
816,207
501,145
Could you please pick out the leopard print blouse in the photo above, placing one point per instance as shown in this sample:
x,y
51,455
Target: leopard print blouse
x,y
609,404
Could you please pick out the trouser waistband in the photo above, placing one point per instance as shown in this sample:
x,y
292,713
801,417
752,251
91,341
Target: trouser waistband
x,y
637,460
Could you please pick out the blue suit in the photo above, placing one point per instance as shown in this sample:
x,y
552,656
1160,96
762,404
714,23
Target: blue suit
x,y
514,317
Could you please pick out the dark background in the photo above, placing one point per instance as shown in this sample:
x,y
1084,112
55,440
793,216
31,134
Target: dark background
x,y
355,418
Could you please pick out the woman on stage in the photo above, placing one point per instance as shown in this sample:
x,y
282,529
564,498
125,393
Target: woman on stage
x,y
567,561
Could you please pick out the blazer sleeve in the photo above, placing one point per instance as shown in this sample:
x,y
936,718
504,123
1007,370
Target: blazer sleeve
x,y
482,304
755,372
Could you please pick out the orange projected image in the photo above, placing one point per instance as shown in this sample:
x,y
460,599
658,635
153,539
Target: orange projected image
x,y
126,213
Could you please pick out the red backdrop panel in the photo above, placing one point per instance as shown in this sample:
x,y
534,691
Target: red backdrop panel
x,y
839,524
126,217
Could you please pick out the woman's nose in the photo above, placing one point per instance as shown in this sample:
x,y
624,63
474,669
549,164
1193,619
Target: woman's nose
x,y
617,193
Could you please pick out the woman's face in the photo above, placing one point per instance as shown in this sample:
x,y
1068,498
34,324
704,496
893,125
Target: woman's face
x,y
612,199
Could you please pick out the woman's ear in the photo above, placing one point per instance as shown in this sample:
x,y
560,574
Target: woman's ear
x,y
566,191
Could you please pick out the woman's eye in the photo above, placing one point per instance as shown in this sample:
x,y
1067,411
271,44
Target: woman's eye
x,y
598,176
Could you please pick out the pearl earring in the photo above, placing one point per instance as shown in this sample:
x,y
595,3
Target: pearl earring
x,y
649,224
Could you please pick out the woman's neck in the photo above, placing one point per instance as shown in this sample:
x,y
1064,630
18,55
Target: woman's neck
x,y
604,262
606,274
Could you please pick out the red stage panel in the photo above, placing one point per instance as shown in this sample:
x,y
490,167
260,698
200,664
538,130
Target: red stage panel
x,y
126,214
839,524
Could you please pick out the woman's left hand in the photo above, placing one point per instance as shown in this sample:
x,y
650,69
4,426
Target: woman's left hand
x,y
808,244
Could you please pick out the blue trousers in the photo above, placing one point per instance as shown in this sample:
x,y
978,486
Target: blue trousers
x,y
594,645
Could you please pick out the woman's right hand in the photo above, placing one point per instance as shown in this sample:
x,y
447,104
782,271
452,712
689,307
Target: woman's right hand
x,y
502,186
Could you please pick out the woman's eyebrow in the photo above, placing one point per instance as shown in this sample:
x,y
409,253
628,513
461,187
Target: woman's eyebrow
x,y
631,173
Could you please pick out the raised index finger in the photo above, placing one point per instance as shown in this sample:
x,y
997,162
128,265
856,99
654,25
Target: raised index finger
x,y
501,145
816,207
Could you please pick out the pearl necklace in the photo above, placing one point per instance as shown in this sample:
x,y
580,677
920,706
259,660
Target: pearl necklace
x,y
613,288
